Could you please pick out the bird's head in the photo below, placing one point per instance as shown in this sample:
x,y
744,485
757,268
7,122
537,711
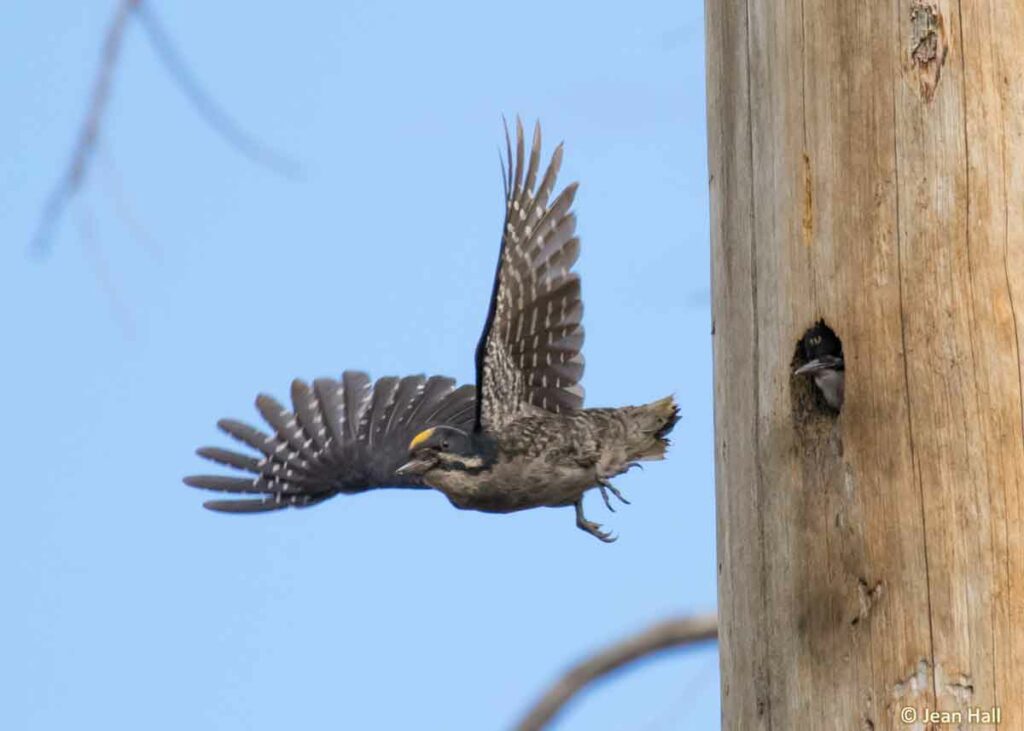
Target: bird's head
x,y
821,351
441,447
822,355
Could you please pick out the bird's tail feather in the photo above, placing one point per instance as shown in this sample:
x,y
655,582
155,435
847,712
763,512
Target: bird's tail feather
x,y
654,421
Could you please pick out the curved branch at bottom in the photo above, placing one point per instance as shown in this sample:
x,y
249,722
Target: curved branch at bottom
x,y
661,636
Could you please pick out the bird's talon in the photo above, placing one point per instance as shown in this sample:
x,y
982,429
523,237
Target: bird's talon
x,y
591,527
594,529
616,493
604,494
603,483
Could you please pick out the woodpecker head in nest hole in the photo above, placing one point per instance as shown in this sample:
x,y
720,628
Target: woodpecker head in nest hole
x,y
823,362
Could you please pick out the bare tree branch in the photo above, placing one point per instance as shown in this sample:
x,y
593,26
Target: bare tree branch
x,y
661,636
203,103
89,134
71,181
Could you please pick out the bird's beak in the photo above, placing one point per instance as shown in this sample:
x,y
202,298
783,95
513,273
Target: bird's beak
x,y
415,466
823,363
812,366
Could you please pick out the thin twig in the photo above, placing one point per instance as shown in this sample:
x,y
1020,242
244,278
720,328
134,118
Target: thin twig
x,y
662,636
123,208
72,179
94,255
686,696
203,103
89,134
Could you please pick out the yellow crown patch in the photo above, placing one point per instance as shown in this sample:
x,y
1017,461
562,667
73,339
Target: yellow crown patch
x,y
420,438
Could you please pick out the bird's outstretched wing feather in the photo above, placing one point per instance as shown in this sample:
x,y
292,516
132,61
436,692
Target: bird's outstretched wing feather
x,y
530,349
341,436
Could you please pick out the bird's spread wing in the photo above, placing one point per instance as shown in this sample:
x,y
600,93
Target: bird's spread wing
x,y
529,352
341,436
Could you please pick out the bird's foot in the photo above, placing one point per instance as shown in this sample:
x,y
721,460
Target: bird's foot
x,y
590,527
604,485
631,465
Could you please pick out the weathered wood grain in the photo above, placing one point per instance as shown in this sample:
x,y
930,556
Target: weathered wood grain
x,y
867,166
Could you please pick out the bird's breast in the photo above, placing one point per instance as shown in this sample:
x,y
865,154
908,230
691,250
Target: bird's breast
x,y
517,484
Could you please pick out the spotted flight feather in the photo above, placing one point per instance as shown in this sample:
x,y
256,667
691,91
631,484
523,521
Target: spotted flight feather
x,y
342,436
530,351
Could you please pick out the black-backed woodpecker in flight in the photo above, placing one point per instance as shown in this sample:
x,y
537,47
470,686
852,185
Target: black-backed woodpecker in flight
x,y
520,439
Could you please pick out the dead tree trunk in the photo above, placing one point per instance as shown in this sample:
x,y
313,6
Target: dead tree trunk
x,y
867,167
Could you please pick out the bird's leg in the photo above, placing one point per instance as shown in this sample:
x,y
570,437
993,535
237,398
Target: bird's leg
x,y
590,527
604,486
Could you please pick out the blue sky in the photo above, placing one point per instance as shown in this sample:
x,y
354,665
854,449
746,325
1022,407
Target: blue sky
x,y
206,280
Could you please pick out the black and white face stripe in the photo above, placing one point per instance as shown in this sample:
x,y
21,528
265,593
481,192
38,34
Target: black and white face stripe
x,y
470,464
